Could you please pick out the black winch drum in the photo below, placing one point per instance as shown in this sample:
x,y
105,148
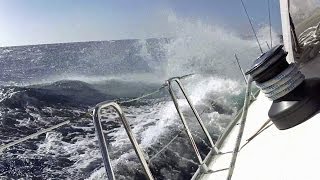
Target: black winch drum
x,y
299,103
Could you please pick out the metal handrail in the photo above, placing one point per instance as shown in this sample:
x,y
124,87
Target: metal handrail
x,y
103,143
195,112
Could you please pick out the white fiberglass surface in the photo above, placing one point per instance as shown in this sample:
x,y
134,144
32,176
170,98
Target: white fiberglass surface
x,y
274,154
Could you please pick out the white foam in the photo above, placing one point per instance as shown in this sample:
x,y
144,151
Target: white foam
x,y
98,174
204,48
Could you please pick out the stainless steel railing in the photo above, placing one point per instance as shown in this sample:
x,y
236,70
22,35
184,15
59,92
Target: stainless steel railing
x,y
195,112
102,139
103,143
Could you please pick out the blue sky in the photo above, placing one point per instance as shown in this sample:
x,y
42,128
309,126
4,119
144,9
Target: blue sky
x,y
51,21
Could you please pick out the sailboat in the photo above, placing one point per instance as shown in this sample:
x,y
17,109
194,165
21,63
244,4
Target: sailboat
x,y
274,135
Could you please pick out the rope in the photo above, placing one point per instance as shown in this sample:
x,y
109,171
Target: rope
x,y
309,42
254,32
283,83
242,72
173,139
295,40
143,96
243,75
151,93
270,25
265,126
219,170
33,135
166,146
268,45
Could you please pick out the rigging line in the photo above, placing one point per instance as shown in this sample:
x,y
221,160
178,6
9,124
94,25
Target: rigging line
x,y
244,76
294,35
171,141
151,93
187,75
265,126
143,96
31,136
268,45
90,110
165,147
175,137
256,135
223,153
259,130
219,170
270,25
254,32
245,50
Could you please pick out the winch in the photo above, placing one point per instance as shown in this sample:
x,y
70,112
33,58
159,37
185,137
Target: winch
x,y
295,98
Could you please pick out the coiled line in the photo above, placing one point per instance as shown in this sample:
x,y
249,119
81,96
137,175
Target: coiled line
x,y
283,83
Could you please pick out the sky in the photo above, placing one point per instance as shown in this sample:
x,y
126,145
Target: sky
x,y
26,22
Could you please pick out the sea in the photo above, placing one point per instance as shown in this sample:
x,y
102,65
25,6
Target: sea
x,y
43,85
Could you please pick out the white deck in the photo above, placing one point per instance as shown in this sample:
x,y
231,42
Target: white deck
x,y
288,154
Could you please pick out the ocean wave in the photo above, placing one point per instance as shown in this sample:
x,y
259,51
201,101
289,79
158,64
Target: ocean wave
x,y
72,151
